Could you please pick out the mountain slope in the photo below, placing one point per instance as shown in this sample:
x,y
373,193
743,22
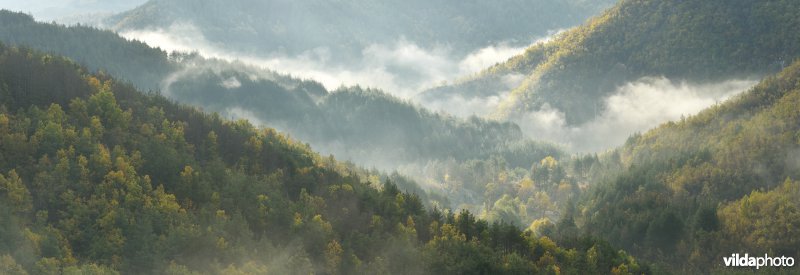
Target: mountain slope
x,y
99,50
348,27
99,178
366,126
720,182
314,114
694,41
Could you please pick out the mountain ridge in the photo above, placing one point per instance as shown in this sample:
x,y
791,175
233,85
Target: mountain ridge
x,y
681,40
347,27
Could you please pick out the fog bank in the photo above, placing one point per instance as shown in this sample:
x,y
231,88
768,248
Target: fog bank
x,y
635,107
399,67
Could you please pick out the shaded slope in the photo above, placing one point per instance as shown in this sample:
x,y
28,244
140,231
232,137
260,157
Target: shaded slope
x,y
98,50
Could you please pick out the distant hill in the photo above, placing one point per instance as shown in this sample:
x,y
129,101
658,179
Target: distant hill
x,y
694,41
70,10
97,49
348,27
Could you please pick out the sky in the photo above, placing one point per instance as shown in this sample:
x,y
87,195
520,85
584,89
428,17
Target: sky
x,y
68,10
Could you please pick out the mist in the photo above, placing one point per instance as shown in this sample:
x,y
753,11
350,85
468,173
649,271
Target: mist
x,y
403,69
634,107
400,67
482,106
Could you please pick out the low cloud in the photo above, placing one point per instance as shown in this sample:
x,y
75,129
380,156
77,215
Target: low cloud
x,y
634,107
491,55
179,37
481,106
401,68
465,107
240,113
231,83
487,57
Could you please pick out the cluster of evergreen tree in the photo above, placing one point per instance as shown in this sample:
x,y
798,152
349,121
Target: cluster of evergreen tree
x,y
95,176
724,181
99,178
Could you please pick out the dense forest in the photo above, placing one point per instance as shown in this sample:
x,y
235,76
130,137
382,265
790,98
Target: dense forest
x,y
99,178
473,163
694,41
120,158
692,191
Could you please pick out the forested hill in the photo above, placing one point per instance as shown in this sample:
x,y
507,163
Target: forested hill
x,y
97,49
724,181
97,178
348,27
354,123
696,41
367,126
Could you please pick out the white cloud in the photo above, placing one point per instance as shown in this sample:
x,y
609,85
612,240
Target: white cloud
x,y
403,68
481,106
466,107
487,57
239,113
180,37
231,83
493,54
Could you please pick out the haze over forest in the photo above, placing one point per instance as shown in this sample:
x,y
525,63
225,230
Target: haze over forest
x,y
413,137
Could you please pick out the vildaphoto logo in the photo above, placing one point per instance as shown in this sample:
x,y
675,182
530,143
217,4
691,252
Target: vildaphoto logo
x,y
758,262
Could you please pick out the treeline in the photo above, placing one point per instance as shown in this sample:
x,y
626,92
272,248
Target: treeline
x,y
99,178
